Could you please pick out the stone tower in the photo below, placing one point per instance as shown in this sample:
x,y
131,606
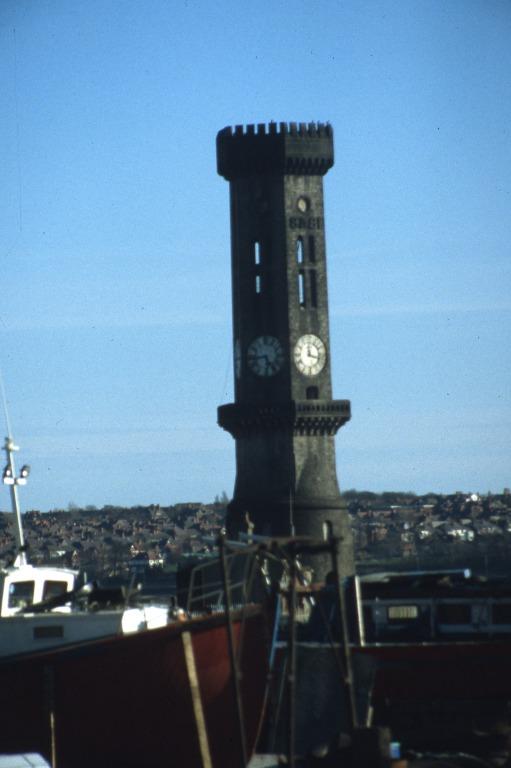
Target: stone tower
x,y
284,418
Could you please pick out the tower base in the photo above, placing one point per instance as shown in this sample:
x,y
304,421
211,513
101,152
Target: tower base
x,y
282,518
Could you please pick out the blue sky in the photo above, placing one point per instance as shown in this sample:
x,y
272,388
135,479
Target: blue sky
x,y
115,322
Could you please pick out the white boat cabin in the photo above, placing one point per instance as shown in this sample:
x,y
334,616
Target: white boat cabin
x,y
25,585
58,621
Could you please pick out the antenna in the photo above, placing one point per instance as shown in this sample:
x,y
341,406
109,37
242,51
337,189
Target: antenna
x,y
4,401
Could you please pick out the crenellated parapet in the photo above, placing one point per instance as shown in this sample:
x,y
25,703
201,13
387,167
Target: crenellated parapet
x,y
303,149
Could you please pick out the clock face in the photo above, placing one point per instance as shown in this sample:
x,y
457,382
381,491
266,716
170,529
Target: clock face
x,y
310,354
265,356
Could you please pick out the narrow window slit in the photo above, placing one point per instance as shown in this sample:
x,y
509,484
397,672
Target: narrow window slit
x,y
312,249
301,288
299,250
258,283
313,288
257,252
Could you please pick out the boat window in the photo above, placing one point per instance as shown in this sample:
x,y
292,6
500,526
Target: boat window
x,y
21,593
502,613
454,613
402,612
53,589
46,631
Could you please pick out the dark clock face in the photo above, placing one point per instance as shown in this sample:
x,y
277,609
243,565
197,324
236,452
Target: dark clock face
x,y
265,356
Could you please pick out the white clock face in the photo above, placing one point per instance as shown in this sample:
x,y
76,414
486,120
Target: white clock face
x,y
265,356
310,354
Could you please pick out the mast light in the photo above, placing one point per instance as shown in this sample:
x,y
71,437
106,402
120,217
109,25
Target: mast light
x,y
7,477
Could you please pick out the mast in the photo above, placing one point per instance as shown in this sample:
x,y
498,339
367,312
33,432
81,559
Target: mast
x,y
9,478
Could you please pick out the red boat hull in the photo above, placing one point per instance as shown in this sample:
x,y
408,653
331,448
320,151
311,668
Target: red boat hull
x,y
448,671
128,701
437,692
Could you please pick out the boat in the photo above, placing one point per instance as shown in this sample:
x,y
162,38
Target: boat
x,y
433,605
84,682
46,606
432,651
32,618
154,698
426,655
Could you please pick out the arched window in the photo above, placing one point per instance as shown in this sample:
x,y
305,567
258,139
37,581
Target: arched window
x,y
312,393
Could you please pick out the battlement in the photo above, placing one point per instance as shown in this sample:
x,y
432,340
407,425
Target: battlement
x,y
269,129
279,148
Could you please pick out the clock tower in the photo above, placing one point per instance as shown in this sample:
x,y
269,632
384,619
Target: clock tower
x,y
284,418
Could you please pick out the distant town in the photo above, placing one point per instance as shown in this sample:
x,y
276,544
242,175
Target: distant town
x,y
391,530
